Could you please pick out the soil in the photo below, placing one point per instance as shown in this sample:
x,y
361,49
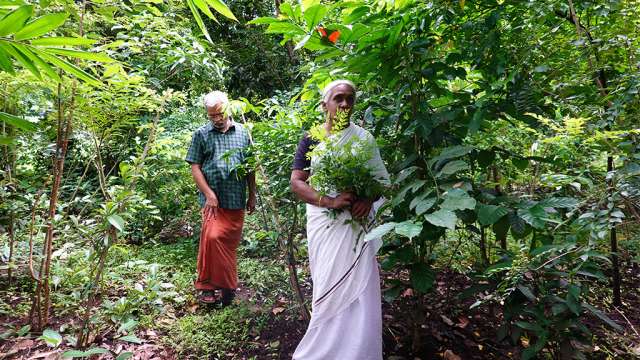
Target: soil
x,y
449,330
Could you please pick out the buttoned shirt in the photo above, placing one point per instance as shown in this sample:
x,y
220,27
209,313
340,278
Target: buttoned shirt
x,y
222,156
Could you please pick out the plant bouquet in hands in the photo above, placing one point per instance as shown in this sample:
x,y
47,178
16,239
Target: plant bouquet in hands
x,y
344,166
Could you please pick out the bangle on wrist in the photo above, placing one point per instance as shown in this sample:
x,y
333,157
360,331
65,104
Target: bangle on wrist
x,y
319,200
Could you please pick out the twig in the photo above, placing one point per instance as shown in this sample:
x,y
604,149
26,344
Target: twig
x,y
556,258
628,322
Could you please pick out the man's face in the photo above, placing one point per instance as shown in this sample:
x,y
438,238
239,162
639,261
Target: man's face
x,y
217,116
341,99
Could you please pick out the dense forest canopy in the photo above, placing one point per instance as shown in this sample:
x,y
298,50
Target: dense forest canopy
x,y
511,130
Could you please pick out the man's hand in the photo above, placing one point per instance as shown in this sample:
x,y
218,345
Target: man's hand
x,y
210,206
251,204
341,201
361,208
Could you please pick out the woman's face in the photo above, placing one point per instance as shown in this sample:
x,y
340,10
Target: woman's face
x,y
341,98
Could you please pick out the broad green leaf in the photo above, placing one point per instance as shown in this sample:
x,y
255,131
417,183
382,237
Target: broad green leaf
x,y
14,21
314,15
458,199
127,326
486,157
501,227
451,153
221,8
306,4
408,229
21,58
19,123
529,326
72,354
41,26
96,351
452,167
422,278
130,338
285,28
5,62
379,231
41,64
263,21
82,354
443,218
521,164
559,202
534,216
117,221
404,174
519,228
5,140
202,5
80,54
196,16
51,337
63,41
424,205
69,68
526,292
490,214
355,14
124,355
602,316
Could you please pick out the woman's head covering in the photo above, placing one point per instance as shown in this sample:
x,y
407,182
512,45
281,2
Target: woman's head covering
x,y
326,92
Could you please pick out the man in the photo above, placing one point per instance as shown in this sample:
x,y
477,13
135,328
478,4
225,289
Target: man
x,y
217,154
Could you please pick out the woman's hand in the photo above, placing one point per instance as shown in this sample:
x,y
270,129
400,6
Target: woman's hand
x,y
361,208
341,201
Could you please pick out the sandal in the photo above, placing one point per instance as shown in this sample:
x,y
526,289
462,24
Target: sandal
x,y
208,297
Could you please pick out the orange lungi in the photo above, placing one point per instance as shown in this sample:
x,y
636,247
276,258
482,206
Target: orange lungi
x,y
219,240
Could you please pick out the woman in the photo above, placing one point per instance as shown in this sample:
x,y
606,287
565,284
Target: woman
x,y
346,318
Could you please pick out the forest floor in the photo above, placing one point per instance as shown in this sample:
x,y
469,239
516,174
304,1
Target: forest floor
x,y
150,311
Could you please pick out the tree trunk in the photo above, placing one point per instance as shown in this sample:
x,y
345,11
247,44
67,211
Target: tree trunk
x,y
616,282
291,264
483,246
42,299
601,83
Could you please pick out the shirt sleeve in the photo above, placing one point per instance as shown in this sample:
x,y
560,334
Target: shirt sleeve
x,y
194,154
301,160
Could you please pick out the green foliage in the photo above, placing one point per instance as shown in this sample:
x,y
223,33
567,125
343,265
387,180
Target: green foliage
x,y
345,168
210,333
493,133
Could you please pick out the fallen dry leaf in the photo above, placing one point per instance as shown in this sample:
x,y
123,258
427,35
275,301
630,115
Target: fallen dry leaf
x,y
450,355
23,344
446,320
463,322
47,355
277,310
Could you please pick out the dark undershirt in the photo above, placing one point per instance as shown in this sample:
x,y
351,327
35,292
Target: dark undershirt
x,y
301,161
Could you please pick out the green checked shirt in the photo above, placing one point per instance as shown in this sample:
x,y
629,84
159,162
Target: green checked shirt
x,y
220,155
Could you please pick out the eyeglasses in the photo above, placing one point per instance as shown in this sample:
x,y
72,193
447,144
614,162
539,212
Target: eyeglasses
x,y
216,116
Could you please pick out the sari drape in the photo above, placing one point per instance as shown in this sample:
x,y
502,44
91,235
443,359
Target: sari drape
x,y
344,271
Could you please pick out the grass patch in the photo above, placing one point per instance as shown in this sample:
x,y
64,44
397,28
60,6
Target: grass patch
x,y
214,333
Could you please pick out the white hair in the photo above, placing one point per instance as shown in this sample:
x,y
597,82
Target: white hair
x,y
326,92
215,98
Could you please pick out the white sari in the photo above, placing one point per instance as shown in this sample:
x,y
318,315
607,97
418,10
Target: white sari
x,y
346,318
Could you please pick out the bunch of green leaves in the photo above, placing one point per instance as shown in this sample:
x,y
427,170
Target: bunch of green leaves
x,y
344,168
